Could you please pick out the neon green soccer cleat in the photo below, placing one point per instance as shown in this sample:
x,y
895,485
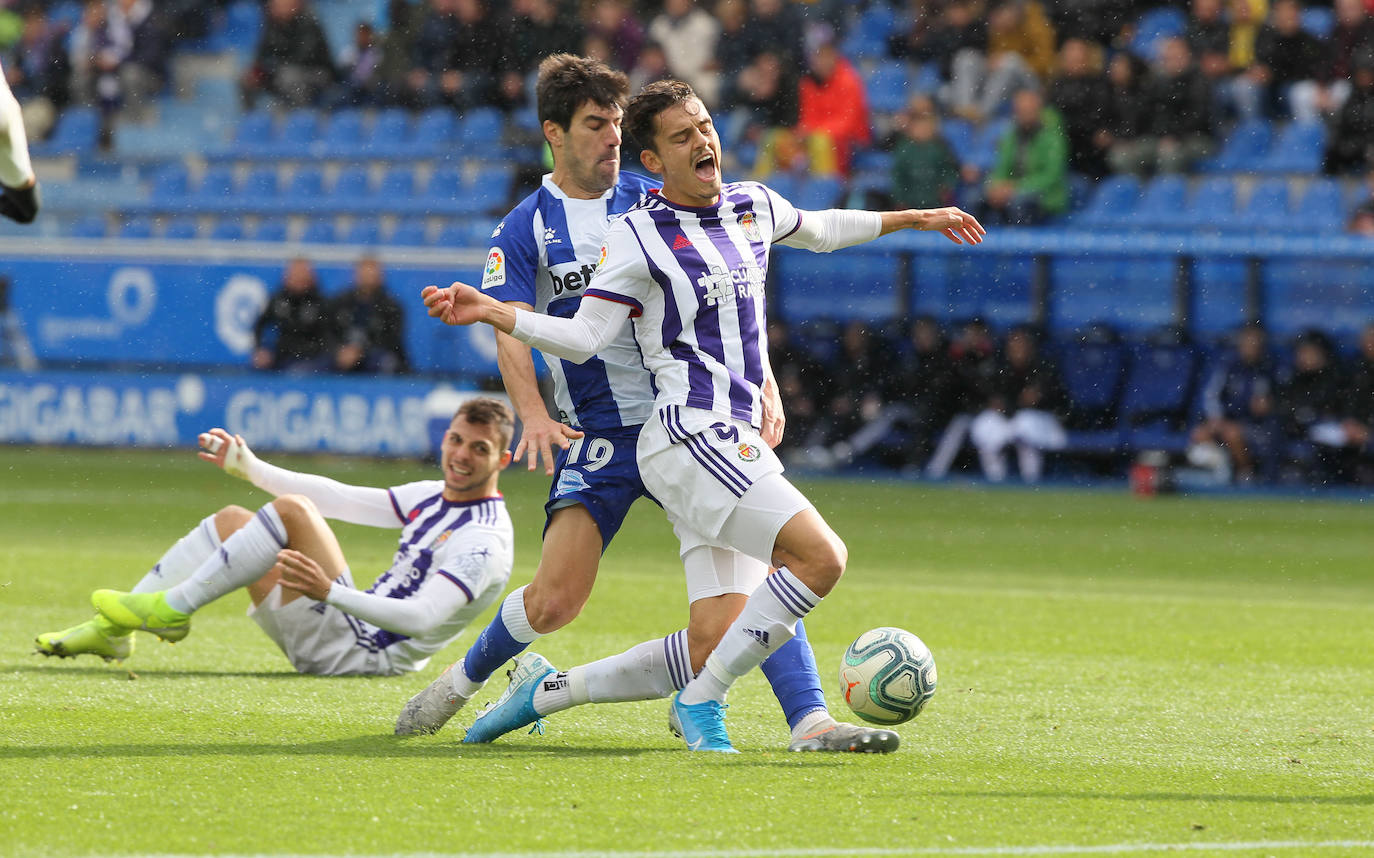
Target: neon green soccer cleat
x,y
146,611
96,636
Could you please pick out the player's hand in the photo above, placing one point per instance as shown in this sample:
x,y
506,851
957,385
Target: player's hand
x,y
773,420
303,574
956,224
229,452
539,437
459,304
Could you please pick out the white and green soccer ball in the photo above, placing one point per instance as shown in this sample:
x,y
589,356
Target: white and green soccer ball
x,y
888,676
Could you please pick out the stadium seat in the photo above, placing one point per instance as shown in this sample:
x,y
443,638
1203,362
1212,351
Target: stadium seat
x,y
319,232
88,226
227,229
253,131
343,133
351,183
983,153
298,130
76,131
1243,148
181,229
888,87
1161,203
785,185
366,231
390,134
409,232
436,132
1297,149
215,186
1320,209
271,229
170,184
1211,206
1093,366
958,133
1153,27
819,192
306,184
398,183
872,159
1267,207
136,227
1158,394
443,190
480,133
259,185
1319,21
464,232
1110,205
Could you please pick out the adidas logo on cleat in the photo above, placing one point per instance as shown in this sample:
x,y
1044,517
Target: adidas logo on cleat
x,y
758,634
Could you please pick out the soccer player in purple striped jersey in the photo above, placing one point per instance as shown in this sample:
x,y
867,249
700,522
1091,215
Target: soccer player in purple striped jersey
x,y
542,259
688,265
453,560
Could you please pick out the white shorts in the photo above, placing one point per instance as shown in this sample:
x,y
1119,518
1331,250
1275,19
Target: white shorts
x,y
717,481
319,638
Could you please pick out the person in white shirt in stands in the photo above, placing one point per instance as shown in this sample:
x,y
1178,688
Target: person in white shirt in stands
x,y
453,560
18,184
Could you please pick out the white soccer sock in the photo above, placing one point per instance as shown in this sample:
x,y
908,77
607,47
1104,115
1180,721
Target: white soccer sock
x,y
768,621
459,682
15,167
245,556
182,559
813,722
651,670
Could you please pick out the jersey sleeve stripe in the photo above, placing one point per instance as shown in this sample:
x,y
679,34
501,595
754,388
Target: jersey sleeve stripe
x,y
395,505
461,585
636,308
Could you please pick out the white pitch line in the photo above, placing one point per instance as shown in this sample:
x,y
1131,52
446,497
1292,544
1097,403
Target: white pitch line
x,y
1101,849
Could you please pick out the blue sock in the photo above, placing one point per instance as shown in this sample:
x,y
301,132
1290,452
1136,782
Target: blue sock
x,y
792,673
506,636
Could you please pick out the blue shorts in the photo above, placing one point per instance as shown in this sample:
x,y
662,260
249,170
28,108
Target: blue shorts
x,y
599,471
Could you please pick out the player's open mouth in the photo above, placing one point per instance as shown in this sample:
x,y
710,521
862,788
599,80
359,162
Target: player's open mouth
x,y
706,167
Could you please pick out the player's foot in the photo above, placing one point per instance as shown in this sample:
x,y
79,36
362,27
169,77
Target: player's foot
x,y
515,707
96,636
146,611
432,708
702,725
839,736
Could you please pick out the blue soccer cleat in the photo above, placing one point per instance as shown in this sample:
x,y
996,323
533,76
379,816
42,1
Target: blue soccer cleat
x,y
702,725
515,707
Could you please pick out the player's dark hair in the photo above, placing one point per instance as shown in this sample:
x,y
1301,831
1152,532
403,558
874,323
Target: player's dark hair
x,y
566,82
485,411
641,116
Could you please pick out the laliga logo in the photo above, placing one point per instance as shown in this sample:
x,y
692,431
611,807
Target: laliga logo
x,y
237,307
132,296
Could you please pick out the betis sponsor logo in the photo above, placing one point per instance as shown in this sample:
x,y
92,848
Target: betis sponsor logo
x,y
751,227
748,453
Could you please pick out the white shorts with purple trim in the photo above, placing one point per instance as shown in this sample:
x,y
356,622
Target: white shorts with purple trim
x,y
320,639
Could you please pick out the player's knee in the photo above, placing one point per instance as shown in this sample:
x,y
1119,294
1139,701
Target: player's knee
x,y
231,519
551,609
829,564
295,507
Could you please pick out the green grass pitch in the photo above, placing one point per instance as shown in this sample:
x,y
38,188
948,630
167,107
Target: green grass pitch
x,y
1117,676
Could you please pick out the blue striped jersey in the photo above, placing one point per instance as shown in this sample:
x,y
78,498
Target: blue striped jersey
x,y
694,279
544,254
471,544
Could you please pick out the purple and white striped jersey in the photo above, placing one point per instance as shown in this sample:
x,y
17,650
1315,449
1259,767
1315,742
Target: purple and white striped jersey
x,y
470,544
694,281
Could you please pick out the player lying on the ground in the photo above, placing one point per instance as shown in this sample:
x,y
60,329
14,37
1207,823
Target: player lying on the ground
x,y
542,256
453,560
688,266
18,184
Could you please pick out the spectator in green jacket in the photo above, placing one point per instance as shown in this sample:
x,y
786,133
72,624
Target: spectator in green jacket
x,y
1029,182
924,169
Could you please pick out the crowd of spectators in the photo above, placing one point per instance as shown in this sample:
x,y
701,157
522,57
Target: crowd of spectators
x,y
965,399
358,330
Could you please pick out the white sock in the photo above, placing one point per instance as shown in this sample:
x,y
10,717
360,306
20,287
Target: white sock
x,y
244,557
458,680
182,559
15,168
813,722
768,621
651,670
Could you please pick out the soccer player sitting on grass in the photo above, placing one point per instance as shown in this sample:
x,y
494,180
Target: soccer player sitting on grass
x,y
18,184
453,560
688,265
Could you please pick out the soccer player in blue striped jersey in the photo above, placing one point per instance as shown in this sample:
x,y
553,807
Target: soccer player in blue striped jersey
x,y
453,560
688,265
543,258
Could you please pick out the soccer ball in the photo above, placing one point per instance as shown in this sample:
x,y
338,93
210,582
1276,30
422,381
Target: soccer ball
x,y
887,675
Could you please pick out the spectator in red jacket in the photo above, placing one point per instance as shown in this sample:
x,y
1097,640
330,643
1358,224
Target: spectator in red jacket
x,y
833,116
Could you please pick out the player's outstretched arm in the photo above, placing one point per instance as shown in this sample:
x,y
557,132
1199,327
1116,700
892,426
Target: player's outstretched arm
x,y
956,224
540,433
460,305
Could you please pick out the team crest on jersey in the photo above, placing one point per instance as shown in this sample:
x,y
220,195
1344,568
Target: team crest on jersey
x,y
750,227
442,538
495,272
748,453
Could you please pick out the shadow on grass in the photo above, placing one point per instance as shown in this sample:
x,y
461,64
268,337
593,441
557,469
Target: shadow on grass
x,y
126,673
1225,798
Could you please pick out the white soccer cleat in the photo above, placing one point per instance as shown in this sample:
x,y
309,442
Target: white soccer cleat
x,y
428,711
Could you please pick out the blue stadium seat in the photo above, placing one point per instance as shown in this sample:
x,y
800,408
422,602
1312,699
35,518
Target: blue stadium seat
x,y
1243,148
819,192
271,229
1153,27
181,229
444,188
1321,209
398,183
480,133
1110,205
88,226
872,159
307,184
959,134
409,232
260,184
351,183
1158,393
1161,203
983,153
254,131
216,185
785,185
888,87
227,229
465,232
1212,205
298,130
1298,149
1093,367
76,131
366,231
170,184
1319,21
343,133
390,133
436,132
319,231
136,227
1267,207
